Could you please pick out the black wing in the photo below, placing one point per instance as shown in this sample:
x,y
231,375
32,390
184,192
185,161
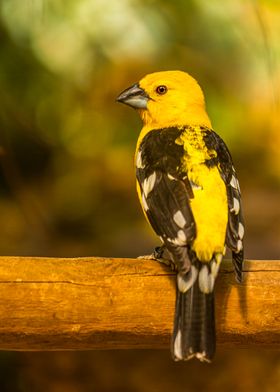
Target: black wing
x,y
235,227
166,191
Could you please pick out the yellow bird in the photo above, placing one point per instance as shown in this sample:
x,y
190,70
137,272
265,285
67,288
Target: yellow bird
x,y
190,195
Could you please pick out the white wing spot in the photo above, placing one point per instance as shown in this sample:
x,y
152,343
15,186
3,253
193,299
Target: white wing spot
x,y
171,177
239,246
205,280
179,219
215,264
214,268
181,238
185,282
236,206
139,163
149,183
241,231
234,182
144,203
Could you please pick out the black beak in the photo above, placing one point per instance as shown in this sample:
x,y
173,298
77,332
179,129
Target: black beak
x,y
134,96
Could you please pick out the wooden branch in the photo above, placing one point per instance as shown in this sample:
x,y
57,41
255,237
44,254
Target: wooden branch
x,y
96,303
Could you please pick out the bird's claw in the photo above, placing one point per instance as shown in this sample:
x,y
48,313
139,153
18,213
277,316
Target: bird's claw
x,y
157,255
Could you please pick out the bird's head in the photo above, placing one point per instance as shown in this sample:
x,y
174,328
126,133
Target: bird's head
x,y
168,98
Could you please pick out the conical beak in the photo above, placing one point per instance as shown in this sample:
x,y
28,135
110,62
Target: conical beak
x,y
135,97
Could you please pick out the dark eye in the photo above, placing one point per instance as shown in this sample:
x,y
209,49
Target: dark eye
x,y
161,90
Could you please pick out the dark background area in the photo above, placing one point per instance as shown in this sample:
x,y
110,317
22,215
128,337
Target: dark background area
x,y
67,184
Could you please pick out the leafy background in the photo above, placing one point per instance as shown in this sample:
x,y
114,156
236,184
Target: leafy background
x,y
66,156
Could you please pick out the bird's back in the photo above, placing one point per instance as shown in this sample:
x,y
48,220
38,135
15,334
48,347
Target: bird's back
x,y
183,153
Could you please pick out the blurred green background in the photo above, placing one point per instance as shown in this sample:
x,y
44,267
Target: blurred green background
x,y
66,156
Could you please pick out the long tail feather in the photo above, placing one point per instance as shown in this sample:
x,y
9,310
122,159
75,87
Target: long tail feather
x,y
194,326
237,259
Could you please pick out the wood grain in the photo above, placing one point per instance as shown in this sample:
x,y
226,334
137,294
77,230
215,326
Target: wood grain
x,y
98,303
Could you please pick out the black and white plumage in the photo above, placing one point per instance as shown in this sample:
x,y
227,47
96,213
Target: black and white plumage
x,y
166,192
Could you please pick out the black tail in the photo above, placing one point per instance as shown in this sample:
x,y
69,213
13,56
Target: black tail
x,y
237,259
194,326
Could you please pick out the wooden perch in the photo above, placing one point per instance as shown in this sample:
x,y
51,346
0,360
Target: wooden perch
x,y
98,303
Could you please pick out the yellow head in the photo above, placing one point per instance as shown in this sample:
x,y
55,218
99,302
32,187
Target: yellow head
x,y
167,99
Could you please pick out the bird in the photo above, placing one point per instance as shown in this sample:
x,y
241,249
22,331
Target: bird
x,y
190,195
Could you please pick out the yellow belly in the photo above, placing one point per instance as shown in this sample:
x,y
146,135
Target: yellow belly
x,y
210,211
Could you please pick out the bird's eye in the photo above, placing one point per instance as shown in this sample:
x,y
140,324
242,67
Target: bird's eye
x,y
161,90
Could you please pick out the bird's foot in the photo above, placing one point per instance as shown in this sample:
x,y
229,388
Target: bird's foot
x,y
157,255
